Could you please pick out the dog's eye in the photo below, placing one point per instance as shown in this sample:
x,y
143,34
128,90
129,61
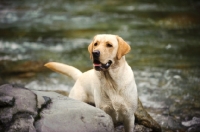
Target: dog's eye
x,y
108,45
95,44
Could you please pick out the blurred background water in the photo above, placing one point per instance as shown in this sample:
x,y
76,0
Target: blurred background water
x,y
164,36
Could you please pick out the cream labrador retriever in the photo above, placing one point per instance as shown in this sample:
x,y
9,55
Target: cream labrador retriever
x,y
110,86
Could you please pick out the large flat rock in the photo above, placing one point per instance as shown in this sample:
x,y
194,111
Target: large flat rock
x,y
65,114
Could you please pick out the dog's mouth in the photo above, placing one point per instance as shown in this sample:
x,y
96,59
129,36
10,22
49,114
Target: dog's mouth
x,y
100,66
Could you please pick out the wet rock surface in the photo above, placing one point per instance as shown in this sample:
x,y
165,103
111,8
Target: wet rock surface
x,y
6,101
65,114
23,110
138,128
193,125
19,111
143,118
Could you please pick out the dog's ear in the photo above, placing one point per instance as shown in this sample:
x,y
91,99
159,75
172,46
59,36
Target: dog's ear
x,y
90,49
123,48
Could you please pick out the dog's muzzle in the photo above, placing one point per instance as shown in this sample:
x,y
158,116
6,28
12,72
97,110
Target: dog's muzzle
x,y
97,64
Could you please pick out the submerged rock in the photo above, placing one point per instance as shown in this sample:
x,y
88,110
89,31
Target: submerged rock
x,y
194,121
193,125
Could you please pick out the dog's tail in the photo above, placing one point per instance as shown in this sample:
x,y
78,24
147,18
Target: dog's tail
x,y
64,69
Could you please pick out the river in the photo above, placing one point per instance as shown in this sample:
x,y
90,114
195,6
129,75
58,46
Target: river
x,y
164,37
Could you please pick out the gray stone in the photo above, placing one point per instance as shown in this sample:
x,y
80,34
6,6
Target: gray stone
x,y
145,122
22,123
194,129
192,125
17,117
141,128
6,101
65,114
194,121
138,128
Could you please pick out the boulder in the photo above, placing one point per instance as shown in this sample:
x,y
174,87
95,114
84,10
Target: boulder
x,y
65,114
6,101
144,122
23,110
19,109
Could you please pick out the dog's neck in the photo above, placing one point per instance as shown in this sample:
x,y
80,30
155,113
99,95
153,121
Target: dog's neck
x,y
114,73
118,64
109,80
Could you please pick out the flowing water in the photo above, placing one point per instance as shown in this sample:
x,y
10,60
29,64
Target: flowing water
x,y
164,36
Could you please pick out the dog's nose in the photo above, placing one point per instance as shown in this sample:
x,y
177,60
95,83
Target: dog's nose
x,y
96,54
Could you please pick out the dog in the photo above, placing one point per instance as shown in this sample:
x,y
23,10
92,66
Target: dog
x,y
110,85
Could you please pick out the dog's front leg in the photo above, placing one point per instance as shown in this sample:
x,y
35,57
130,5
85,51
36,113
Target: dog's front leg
x,y
129,123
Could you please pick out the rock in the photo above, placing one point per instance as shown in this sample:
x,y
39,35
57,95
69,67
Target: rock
x,y
65,114
173,123
22,123
193,125
18,115
138,128
147,123
6,101
23,110
194,129
141,128
143,118
194,121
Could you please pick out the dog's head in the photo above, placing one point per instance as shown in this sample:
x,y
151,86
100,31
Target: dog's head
x,y
106,49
